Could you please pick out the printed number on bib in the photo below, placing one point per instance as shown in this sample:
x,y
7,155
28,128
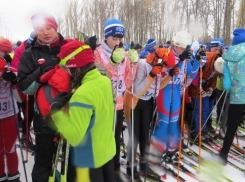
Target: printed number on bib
x,y
3,106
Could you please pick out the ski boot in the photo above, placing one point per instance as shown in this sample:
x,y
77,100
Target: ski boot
x,y
14,177
206,136
136,174
222,133
185,148
194,135
211,129
3,178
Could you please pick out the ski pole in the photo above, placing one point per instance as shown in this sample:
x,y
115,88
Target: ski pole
x,y
208,117
132,119
182,117
18,133
200,115
115,111
222,110
27,124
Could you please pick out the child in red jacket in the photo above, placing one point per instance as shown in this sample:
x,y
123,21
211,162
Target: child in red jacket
x,y
8,109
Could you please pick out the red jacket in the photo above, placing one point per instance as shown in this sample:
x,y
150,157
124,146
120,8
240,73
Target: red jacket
x,y
17,54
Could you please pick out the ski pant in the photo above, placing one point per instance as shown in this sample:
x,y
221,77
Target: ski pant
x,y
30,113
142,118
234,114
45,148
104,173
205,112
224,117
118,130
220,103
211,106
8,134
168,106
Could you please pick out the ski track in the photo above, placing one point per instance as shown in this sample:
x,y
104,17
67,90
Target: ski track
x,y
229,171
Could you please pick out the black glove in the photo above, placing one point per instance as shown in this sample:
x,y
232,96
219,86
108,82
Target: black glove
x,y
60,100
91,41
190,106
173,71
186,54
200,53
49,65
9,76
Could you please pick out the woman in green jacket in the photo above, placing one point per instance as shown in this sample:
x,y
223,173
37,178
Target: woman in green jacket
x,y
87,124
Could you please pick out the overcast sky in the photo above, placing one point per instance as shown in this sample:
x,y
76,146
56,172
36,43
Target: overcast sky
x,y
15,16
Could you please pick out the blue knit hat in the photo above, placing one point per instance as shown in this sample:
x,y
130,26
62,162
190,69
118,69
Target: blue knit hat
x,y
143,54
150,43
31,38
215,42
113,27
239,36
222,42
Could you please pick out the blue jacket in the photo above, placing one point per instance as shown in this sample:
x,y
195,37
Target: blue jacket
x,y
234,73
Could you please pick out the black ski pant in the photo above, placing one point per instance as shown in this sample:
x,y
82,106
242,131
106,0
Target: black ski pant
x,y
118,131
103,174
45,148
234,115
142,118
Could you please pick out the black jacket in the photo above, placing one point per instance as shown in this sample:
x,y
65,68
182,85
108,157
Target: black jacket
x,y
29,75
29,71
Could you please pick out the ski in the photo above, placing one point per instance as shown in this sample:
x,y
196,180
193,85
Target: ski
x,y
64,159
58,145
230,163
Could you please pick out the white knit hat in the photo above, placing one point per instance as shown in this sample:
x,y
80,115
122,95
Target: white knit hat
x,y
182,39
219,64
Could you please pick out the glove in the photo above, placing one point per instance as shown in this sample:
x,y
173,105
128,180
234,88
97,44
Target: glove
x,y
60,100
186,54
118,56
91,41
173,71
157,69
203,93
209,92
190,106
200,53
133,56
9,76
49,65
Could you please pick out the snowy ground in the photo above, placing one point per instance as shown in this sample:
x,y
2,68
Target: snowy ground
x,y
229,171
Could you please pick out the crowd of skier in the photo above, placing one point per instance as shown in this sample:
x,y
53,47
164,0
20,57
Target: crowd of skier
x,y
81,95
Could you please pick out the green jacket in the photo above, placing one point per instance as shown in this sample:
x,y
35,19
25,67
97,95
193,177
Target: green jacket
x,y
89,126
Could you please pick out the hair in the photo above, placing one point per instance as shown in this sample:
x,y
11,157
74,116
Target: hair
x,y
78,74
117,36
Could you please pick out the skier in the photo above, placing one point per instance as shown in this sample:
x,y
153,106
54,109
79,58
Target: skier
x,y
167,132
7,116
150,47
234,82
15,63
104,57
40,58
88,122
147,83
208,85
215,46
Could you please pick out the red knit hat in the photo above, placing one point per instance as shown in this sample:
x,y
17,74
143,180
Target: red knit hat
x,y
43,19
75,54
5,45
